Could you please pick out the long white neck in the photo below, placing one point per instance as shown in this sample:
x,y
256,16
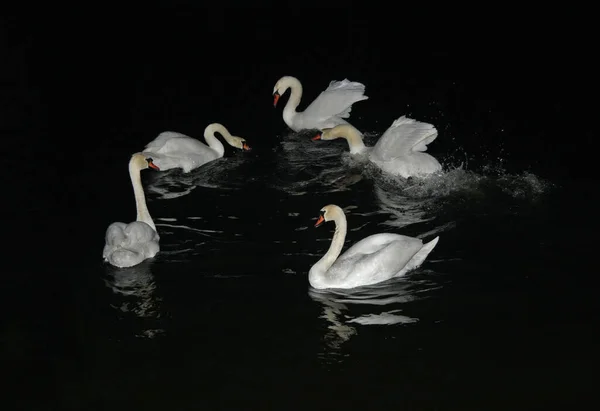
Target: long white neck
x,y
140,198
337,243
289,111
212,141
352,136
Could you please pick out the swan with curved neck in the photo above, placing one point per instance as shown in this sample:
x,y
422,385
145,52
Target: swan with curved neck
x,y
399,151
175,150
374,259
329,109
127,245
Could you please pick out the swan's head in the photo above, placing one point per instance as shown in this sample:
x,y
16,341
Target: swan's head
x,y
239,142
325,134
141,162
328,213
281,87
345,131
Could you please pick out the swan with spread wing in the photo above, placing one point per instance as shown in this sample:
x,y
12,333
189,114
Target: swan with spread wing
x,y
399,151
329,109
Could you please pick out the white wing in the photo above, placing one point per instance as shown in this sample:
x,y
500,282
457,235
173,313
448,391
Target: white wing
x,y
182,153
405,136
161,139
182,145
175,150
375,259
336,100
129,244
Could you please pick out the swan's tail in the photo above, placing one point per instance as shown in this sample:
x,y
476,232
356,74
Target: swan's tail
x,y
419,257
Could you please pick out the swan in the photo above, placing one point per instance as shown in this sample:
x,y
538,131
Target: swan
x,y
372,260
130,244
175,150
326,111
399,151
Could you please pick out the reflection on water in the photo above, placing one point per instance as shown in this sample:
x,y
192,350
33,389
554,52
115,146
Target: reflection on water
x,y
304,166
135,299
221,173
181,241
378,304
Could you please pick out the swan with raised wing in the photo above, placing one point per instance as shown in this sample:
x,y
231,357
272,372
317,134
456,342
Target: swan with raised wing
x,y
399,151
374,259
129,244
175,150
329,109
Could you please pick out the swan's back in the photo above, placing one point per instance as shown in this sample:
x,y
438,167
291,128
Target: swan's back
x,y
374,259
130,244
404,137
179,151
161,139
183,145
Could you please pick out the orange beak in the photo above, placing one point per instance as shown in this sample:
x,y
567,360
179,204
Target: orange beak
x,y
317,137
275,99
153,166
320,221
246,147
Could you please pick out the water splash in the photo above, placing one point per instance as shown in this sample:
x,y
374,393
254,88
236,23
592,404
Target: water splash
x,y
455,192
318,167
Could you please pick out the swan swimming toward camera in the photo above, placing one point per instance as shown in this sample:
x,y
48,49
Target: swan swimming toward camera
x,y
329,109
175,150
130,244
374,259
399,151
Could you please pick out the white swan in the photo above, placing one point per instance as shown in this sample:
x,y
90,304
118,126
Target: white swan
x,y
399,151
372,260
130,244
175,150
327,110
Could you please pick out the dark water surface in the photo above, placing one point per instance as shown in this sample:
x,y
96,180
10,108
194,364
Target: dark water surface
x,y
500,316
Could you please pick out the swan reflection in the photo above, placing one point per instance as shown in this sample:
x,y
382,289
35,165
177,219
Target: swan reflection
x,y
134,290
378,304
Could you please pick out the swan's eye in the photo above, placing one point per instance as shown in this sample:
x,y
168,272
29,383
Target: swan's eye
x,y
149,159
